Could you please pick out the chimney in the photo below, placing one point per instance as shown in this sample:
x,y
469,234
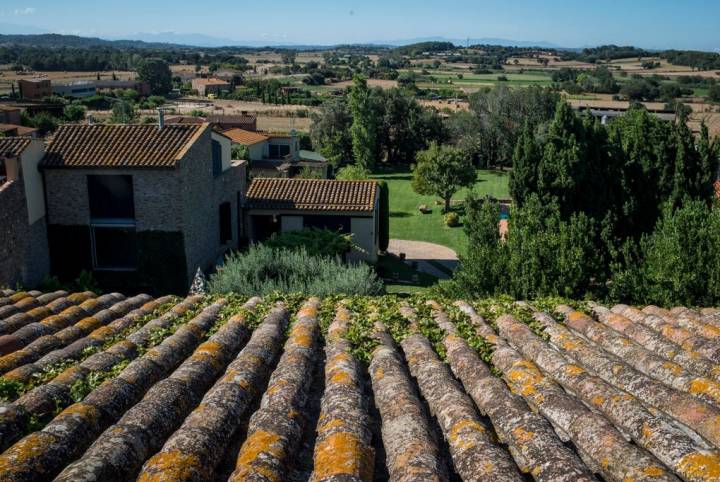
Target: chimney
x,y
161,119
90,119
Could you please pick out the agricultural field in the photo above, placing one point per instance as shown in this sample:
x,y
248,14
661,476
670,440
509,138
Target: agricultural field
x,y
407,222
8,77
384,388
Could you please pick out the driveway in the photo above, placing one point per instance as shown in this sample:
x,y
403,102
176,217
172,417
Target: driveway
x,y
426,255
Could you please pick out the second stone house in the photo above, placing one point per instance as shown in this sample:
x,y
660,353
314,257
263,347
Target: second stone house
x,y
141,205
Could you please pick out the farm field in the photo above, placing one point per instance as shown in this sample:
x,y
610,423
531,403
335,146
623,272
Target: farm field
x,y
407,222
301,388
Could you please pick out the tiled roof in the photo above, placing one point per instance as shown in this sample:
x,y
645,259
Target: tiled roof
x,y
119,145
248,138
13,146
184,119
21,130
195,386
231,119
717,188
312,194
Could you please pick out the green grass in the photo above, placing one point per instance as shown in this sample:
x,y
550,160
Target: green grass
x,y
406,222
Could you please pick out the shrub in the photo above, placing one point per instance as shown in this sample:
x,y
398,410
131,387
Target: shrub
x,y
264,270
452,220
317,242
352,172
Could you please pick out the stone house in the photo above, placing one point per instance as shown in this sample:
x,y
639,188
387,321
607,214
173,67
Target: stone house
x,y
277,155
350,207
211,86
35,89
23,234
141,205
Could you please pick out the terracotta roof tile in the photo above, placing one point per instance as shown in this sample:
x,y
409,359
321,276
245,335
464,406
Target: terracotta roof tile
x,y
312,194
717,188
13,146
119,145
248,138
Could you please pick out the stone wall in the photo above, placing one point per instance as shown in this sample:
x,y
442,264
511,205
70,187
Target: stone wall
x,y
180,202
202,195
24,257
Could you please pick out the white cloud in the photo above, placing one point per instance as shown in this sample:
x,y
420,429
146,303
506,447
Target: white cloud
x,y
25,11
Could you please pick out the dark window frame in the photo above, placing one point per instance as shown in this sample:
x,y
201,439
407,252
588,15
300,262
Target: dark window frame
x,y
216,158
108,206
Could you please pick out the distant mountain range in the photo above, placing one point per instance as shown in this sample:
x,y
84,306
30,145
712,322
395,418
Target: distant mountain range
x,y
202,40
27,35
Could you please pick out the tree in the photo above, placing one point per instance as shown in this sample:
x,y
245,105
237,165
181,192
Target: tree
x,y
352,172
44,123
442,171
714,92
330,132
366,114
156,73
481,268
678,262
74,112
523,177
123,113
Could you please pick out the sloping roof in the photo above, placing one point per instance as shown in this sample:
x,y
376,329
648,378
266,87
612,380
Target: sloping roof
x,y
717,188
242,136
184,119
21,130
231,119
120,145
625,393
312,194
13,146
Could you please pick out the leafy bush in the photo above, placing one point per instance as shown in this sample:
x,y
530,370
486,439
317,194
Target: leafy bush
x,y
352,172
264,270
452,220
317,242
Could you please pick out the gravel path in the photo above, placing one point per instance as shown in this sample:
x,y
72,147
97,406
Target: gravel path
x,y
423,253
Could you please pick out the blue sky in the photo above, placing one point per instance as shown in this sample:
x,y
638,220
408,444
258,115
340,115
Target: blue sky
x,y
645,23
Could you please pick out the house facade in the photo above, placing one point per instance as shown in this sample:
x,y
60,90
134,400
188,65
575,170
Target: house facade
x,y
24,255
141,205
349,207
35,89
277,155
211,86
75,89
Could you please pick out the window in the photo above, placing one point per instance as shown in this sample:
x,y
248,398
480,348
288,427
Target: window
x,y
114,248
279,151
216,158
112,222
111,197
225,223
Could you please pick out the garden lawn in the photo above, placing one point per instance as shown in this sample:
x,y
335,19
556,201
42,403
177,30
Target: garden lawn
x,y
407,222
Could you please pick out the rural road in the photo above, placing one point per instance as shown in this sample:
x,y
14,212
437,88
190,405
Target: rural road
x,y
423,253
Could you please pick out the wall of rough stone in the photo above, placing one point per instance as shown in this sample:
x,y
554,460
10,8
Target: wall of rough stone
x,y
24,257
184,200
202,195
